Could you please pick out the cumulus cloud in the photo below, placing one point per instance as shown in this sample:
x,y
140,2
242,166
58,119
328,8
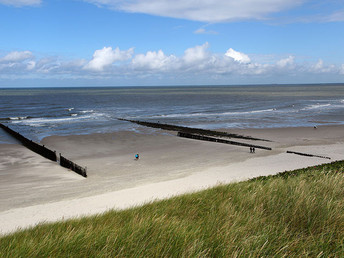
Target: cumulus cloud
x,y
286,62
19,3
196,54
105,57
202,10
320,67
16,56
196,62
237,56
153,60
31,65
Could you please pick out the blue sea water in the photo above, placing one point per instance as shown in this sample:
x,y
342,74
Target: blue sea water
x,y
40,112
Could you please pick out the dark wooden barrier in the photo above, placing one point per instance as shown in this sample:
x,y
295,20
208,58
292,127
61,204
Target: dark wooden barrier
x,y
72,166
35,147
45,152
211,139
192,130
308,155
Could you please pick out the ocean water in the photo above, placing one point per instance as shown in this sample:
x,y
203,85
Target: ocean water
x,y
40,112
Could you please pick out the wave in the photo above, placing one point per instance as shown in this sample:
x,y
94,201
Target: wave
x,y
15,118
180,115
73,118
87,111
19,118
316,106
70,109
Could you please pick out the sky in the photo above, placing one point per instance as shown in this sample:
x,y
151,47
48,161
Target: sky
x,y
63,43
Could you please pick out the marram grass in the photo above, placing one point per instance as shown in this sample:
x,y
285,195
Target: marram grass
x,y
297,213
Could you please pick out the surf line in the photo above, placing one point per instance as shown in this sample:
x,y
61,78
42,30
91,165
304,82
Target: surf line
x,y
191,130
45,152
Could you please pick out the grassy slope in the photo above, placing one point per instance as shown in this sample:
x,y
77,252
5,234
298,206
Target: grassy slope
x,y
294,213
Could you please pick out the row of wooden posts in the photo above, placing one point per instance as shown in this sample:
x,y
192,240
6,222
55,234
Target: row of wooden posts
x,y
209,135
45,152
212,139
197,134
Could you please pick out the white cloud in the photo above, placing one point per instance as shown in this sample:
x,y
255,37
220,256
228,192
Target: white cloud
x,y
337,16
153,60
16,56
202,10
204,31
341,69
105,57
196,54
19,3
319,65
197,62
31,65
237,56
286,62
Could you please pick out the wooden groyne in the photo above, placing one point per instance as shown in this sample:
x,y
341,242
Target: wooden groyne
x,y
308,155
212,139
45,152
191,130
72,166
35,147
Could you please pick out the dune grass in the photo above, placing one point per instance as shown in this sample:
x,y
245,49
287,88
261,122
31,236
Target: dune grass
x,y
297,213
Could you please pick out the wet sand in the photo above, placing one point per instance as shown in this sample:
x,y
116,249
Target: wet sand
x,y
34,189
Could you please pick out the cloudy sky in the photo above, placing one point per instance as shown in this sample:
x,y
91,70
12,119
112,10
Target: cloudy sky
x,y
170,42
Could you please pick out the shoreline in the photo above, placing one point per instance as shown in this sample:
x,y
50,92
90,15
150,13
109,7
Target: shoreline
x,y
35,190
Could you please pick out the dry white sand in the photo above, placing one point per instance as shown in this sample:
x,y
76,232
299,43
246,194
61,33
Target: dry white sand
x,y
34,190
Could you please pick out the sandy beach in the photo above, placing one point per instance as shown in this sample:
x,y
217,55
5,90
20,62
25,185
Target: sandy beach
x,y
35,190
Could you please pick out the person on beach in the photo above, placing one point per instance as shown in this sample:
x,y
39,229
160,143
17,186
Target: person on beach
x,y
137,156
254,150
250,149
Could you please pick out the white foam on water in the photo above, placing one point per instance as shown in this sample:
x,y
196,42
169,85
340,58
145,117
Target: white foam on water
x,y
214,114
87,111
316,106
74,118
18,118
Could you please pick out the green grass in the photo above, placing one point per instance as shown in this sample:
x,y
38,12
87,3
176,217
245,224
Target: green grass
x,y
297,213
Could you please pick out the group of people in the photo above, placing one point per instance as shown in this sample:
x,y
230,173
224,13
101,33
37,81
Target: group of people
x,y
252,150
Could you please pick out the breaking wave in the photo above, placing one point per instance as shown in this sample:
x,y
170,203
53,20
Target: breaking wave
x,y
214,114
73,118
316,106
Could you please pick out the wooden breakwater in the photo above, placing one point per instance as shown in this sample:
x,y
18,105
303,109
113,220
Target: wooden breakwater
x,y
191,130
45,152
212,139
66,163
308,155
35,147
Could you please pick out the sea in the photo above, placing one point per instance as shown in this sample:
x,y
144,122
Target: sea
x,y
40,112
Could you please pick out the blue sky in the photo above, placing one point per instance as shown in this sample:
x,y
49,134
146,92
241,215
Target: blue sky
x,y
170,42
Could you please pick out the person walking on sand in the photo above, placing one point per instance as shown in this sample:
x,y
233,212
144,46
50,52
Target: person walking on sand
x,y
137,156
